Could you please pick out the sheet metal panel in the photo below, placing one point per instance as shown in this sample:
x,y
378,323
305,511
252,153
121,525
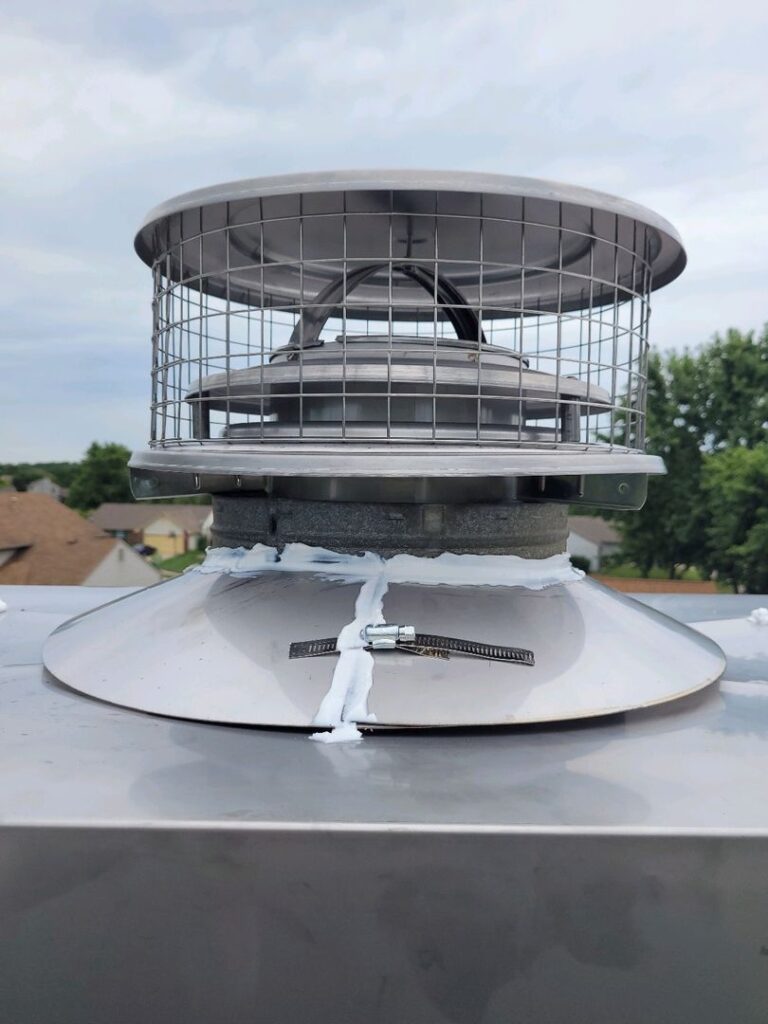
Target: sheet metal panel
x,y
212,925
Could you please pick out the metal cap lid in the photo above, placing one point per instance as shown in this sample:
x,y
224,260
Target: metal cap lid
x,y
434,211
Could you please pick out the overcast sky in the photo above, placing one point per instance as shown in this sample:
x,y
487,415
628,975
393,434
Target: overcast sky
x,y
109,108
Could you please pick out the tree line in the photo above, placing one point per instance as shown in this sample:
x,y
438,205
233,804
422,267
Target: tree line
x,y
707,417
101,476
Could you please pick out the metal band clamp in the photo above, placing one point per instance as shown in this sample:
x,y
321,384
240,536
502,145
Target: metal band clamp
x,y
406,639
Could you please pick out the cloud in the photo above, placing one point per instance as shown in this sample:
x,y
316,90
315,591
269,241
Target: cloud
x,y
108,109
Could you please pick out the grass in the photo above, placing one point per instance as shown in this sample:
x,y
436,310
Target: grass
x,y
180,562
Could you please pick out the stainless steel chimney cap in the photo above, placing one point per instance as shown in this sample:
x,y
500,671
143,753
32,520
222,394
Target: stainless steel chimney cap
x,y
408,324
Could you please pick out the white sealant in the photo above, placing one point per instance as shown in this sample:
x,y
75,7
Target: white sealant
x,y
3,606
446,569
345,705
346,702
759,617
237,560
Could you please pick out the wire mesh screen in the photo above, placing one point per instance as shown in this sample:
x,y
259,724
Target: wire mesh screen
x,y
377,317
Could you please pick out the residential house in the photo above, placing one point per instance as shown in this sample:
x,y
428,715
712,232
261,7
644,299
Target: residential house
x,y
170,529
44,542
593,538
44,485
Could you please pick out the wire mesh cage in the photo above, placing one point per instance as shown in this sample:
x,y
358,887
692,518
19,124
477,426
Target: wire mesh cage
x,y
472,310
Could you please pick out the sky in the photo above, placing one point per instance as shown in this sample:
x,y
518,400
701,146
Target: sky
x,y
106,109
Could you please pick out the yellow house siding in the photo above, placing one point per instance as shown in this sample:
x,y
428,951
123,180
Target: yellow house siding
x,y
167,546
167,537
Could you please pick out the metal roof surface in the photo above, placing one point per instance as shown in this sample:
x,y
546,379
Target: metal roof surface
x,y
699,764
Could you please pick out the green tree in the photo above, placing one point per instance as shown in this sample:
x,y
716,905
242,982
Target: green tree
x,y
62,473
102,476
735,491
667,531
733,390
23,476
700,403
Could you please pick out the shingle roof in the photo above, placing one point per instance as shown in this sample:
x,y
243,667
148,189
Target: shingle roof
x,y
594,529
55,544
125,515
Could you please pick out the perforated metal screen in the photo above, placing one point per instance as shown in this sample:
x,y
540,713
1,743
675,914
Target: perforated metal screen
x,y
420,316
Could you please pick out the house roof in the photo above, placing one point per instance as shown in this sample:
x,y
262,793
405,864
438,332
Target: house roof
x,y
594,529
53,543
126,515
45,484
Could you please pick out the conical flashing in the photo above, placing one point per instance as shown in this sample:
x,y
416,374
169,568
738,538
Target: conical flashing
x,y
213,645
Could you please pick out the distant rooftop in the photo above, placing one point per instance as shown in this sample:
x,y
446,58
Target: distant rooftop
x,y
126,515
45,542
594,529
